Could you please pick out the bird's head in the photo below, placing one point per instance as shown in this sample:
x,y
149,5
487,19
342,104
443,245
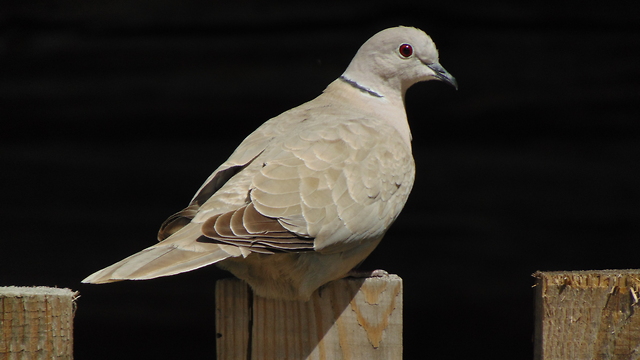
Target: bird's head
x,y
396,58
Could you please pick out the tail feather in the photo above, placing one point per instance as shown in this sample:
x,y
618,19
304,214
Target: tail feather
x,y
108,274
156,262
176,261
179,253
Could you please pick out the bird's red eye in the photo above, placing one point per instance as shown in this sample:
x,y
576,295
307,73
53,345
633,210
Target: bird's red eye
x,y
406,50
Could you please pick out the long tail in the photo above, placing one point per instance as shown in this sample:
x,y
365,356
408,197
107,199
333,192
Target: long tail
x,y
177,254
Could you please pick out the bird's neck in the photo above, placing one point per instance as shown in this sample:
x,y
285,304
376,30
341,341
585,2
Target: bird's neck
x,y
386,105
361,87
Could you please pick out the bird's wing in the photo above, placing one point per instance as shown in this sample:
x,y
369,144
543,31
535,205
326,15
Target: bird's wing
x,y
315,179
252,146
179,249
329,185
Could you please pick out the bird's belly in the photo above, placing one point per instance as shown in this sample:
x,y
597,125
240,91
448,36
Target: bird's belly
x,y
295,276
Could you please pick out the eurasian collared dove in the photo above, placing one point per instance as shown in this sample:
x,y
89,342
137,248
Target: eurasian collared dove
x,y
308,195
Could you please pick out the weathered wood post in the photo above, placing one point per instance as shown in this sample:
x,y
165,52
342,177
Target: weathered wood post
x,y
36,323
349,318
587,315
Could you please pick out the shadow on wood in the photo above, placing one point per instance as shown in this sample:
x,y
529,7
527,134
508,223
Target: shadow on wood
x,y
351,318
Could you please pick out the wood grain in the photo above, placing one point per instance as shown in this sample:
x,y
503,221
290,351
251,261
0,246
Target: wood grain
x,y
347,319
587,315
36,323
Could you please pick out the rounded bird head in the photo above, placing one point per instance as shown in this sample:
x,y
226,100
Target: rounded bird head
x,y
394,59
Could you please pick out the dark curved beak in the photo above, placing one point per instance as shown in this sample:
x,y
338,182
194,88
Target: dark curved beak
x,y
443,75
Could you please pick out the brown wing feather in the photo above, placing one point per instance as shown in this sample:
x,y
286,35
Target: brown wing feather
x,y
246,227
177,221
180,219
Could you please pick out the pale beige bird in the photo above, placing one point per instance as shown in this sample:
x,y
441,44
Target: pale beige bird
x,y
308,195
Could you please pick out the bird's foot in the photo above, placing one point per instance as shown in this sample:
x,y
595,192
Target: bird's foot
x,y
367,273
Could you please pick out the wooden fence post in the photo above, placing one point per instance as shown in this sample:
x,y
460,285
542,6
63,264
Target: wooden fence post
x,y
349,318
36,323
587,315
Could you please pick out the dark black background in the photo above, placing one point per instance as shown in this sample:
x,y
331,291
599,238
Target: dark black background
x,y
113,113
